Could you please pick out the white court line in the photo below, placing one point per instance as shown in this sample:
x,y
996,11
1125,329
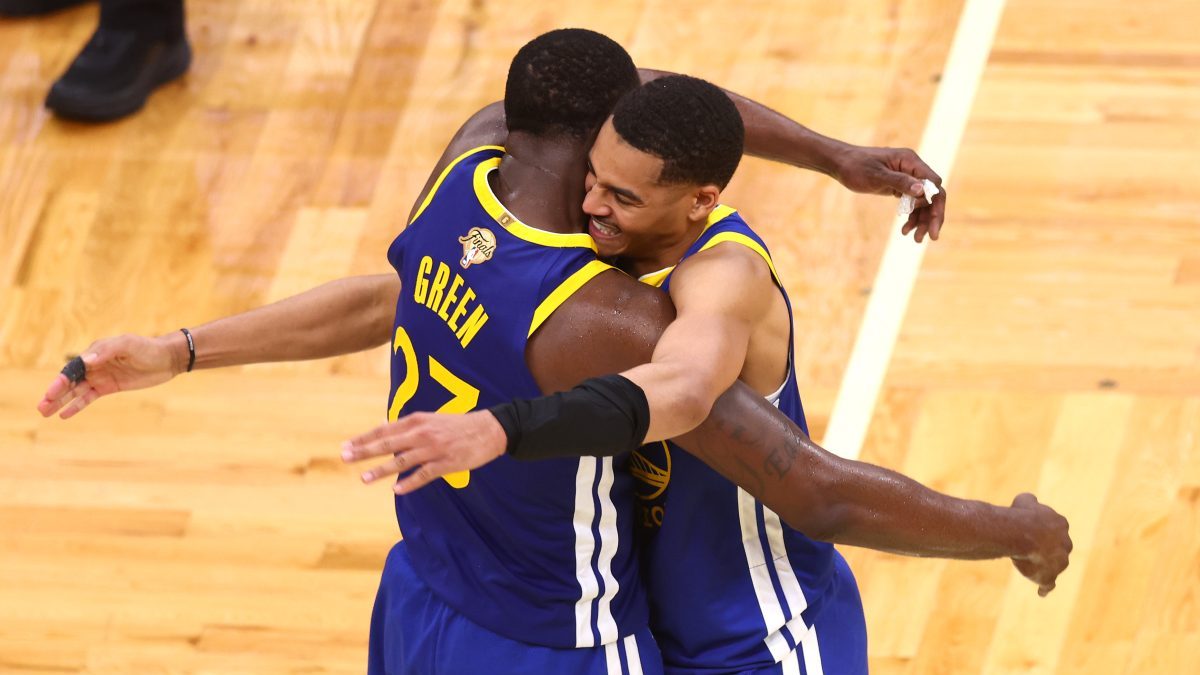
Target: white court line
x,y
855,404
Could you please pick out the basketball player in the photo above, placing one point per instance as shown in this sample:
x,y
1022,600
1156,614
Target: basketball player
x,y
584,595
732,588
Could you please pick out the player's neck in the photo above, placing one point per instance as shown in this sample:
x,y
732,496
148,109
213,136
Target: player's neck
x,y
541,182
664,253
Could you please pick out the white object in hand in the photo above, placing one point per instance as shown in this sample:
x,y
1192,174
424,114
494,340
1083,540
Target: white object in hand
x,y
908,203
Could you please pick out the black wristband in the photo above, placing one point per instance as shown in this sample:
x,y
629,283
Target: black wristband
x,y
191,348
601,417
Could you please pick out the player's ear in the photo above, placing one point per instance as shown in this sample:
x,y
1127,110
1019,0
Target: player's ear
x,y
704,200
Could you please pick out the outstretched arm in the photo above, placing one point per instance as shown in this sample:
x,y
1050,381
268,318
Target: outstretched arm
x,y
775,137
859,504
340,317
720,295
616,322
880,171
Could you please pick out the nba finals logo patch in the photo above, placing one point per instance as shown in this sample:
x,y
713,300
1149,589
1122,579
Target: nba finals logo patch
x,y
478,247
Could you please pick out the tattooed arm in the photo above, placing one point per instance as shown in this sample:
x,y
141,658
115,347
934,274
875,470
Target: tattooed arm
x,y
612,324
848,502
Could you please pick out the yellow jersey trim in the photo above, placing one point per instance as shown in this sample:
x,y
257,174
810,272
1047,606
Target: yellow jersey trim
x,y
739,238
446,172
565,290
508,221
721,212
656,278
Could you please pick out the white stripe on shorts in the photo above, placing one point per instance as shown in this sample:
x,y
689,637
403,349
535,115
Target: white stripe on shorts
x,y
760,576
790,665
585,545
812,652
612,659
608,549
633,656
792,591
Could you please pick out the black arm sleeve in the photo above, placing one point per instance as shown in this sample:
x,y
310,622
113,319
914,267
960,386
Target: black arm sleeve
x,y
602,416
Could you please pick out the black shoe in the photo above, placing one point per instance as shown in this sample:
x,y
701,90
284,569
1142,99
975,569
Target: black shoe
x,y
35,7
115,73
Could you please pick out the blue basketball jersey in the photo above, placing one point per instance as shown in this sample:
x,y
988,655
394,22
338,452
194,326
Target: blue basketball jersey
x,y
732,588
538,552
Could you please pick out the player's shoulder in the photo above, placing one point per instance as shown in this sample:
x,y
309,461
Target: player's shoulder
x,y
608,325
611,306
614,295
729,262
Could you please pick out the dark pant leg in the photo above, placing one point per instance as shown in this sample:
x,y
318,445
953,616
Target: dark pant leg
x,y
154,19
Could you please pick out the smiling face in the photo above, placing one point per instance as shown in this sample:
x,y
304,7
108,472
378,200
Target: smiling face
x,y
632,213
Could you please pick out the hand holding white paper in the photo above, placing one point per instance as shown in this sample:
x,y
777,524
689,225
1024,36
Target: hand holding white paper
x,y
908,203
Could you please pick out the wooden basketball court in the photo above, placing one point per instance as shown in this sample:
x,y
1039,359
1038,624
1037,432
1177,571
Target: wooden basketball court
x,y
1051,343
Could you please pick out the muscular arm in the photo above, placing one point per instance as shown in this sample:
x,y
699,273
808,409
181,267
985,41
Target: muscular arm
x,y
720,295
882,171
485,127
751,443
775,137
339,317
612,324
845,501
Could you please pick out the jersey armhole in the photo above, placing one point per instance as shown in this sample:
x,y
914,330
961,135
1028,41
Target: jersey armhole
x,y
565,290
739,238
446,172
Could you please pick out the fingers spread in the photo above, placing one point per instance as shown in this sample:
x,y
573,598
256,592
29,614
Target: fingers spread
x,y
58,394
923,222
84,395
417,458
937,214
372,435
387,439
417,479
60,386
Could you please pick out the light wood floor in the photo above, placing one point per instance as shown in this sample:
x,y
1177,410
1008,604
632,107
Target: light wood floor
x,y
1052,343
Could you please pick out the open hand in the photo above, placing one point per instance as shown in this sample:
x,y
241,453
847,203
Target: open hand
x,y
113,364
428,446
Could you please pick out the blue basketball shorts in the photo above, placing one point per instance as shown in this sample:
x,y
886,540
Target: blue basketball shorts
x,y
414,633
836,644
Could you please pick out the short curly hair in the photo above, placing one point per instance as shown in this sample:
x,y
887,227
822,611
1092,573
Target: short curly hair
x,y
566,82
688,123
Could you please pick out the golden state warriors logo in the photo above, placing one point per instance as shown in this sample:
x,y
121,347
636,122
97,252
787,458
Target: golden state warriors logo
x,y
478,247
650,465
